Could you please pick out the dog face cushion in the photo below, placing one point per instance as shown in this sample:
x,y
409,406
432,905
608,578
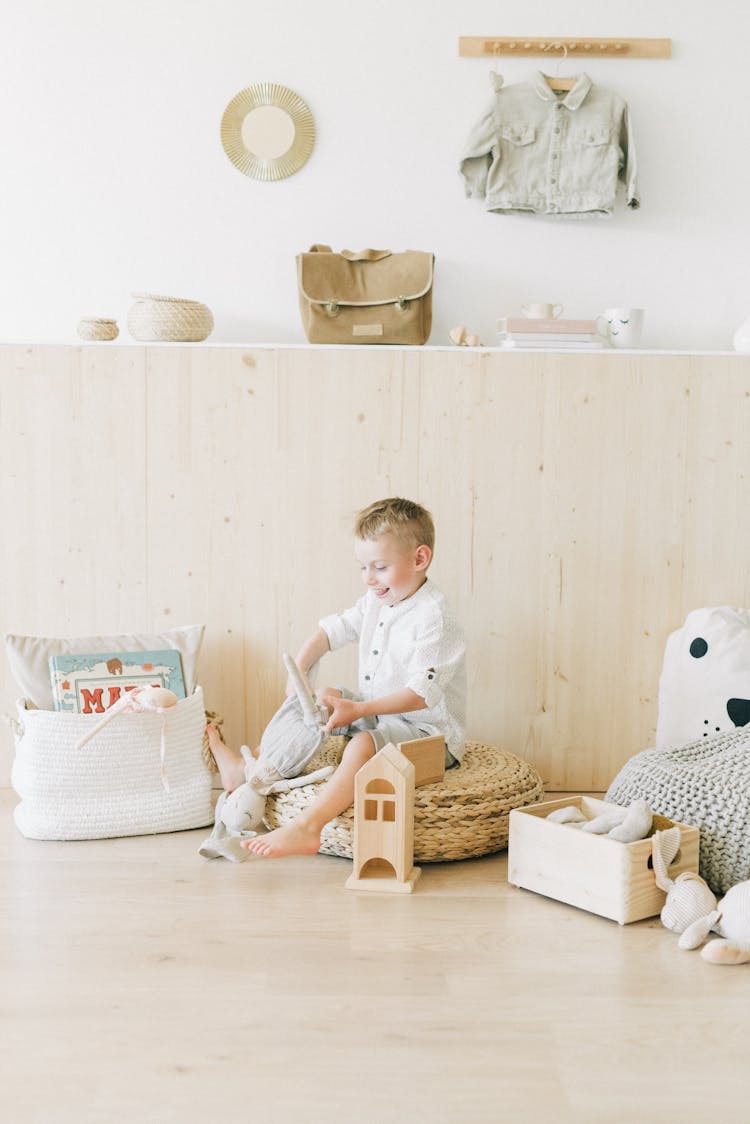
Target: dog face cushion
x,y
705,681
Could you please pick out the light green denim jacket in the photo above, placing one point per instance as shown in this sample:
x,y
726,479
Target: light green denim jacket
x,y
538,151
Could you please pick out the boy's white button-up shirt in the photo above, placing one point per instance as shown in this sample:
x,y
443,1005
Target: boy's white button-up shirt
x,y
416,643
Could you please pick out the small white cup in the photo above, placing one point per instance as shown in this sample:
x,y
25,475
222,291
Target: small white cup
x,y
622,327
541,311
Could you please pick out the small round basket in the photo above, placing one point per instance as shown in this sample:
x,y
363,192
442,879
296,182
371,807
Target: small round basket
x,y
154,319
96,328
461,817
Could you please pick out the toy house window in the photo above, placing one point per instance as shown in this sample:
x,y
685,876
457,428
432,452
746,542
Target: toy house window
x,y
380,801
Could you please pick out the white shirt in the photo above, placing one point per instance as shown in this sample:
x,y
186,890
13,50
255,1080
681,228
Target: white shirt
x,y
416,643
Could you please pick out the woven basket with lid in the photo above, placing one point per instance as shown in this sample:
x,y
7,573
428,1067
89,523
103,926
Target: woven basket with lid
x,y
155,319
97,328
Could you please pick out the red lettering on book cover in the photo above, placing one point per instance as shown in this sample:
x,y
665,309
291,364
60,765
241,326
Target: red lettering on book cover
x,y
91,701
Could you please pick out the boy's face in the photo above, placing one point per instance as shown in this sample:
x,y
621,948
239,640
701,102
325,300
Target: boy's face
x,y
392,571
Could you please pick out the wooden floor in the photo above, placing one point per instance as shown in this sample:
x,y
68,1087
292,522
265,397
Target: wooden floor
x,y
142,983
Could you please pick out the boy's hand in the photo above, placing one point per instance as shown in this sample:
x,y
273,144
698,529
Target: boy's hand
x,y
343,711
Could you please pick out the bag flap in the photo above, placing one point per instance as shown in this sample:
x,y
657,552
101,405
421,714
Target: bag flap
x,y
326,278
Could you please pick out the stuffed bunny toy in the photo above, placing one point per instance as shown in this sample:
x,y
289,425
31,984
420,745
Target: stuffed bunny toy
x,y
239,814
692,910
289,742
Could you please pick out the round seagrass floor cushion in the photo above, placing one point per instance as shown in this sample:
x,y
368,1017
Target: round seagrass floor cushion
x,y
461,817
705,783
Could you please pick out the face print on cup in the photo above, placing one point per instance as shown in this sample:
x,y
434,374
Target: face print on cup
x,y
622,327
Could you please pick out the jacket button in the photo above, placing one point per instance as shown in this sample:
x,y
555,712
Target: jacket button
x,y
374,651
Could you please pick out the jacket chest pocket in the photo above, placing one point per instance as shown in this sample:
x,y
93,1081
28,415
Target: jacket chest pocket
x,y
519,135
592,136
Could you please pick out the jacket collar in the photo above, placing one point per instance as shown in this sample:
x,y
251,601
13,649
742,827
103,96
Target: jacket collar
x,y
572,99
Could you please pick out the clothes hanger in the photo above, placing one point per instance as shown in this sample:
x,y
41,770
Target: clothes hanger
x,y
556,83
496,78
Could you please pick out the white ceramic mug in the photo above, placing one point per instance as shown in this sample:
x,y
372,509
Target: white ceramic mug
x,y
622,327
541,311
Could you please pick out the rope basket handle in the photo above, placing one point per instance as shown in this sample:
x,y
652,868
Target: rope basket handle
x,y
15,725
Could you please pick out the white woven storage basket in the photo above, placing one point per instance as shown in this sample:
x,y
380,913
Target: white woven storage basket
x,y
112,786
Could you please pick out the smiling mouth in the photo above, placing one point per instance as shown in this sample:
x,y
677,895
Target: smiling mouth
x,y
382,592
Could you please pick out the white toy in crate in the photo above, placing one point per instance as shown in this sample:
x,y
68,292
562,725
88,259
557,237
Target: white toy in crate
x,y
592,872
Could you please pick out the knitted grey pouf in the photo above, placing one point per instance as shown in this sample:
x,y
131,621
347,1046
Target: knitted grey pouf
x,y
705,784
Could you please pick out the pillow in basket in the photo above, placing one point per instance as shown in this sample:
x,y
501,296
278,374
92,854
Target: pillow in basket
x,y
28,656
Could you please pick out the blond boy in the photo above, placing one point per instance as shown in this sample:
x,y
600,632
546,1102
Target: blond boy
x,y
412,679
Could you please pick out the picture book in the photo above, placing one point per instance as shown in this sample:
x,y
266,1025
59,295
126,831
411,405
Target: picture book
x,y
91,683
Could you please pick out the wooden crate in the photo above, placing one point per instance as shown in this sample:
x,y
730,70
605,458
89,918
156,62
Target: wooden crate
x,y
613,879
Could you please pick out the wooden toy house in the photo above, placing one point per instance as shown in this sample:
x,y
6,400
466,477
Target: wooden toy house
x,y
383,850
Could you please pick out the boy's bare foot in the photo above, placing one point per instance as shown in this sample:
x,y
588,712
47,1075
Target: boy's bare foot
x,y
231,763
292,839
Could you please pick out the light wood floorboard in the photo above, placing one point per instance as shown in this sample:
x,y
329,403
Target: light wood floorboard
x,y
140,982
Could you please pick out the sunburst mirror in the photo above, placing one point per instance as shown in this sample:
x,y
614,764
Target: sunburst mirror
x,y
267,131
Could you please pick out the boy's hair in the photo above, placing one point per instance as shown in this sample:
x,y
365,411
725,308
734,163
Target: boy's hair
x,y
409,523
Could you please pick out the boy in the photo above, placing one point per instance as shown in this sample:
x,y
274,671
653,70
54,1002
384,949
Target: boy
x,y
412,678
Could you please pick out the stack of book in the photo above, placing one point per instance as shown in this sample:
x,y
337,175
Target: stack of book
x,y
527,333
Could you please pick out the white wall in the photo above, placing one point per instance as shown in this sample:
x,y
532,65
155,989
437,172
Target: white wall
x,y
114,178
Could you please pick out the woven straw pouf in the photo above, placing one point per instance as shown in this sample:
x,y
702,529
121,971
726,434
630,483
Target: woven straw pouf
x,y
461,817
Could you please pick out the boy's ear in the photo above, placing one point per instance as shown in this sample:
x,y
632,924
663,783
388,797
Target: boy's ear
x,y
423,557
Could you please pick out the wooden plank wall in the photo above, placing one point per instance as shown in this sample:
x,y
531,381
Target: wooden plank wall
x,y
584,503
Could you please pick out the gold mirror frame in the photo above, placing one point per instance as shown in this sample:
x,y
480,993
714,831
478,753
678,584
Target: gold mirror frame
x,y
263,167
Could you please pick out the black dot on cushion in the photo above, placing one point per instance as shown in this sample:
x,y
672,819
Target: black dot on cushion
x,y
698,648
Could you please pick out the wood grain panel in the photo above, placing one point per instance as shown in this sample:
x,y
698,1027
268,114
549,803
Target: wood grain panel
x,y
72,486
584,504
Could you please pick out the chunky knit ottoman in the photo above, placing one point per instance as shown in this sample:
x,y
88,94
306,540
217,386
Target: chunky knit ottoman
x,y
460,817
707,784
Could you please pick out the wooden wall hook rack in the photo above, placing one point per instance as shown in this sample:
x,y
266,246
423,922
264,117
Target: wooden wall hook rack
x,y
482,46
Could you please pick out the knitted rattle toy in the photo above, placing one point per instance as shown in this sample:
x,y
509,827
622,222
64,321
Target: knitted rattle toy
x,y
159,700
692,910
